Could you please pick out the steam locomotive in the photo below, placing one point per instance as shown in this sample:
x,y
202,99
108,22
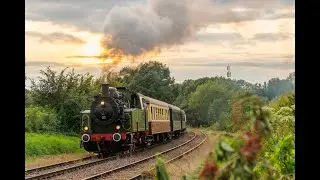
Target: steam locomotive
x,y
121,120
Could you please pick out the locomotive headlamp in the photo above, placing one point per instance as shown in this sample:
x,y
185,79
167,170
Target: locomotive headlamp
x,y
118,127
86,128
102,103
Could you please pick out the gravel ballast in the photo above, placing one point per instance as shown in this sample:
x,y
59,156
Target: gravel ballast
x,y
139,168
96,169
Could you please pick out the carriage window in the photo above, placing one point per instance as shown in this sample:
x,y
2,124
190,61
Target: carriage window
x,y
162,114
156,113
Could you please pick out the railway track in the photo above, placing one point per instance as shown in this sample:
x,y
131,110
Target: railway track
x,y
129,171
140,176
51,171
51,166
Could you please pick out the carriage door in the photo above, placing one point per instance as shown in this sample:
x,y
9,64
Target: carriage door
x,y
181,120
171,120
145,105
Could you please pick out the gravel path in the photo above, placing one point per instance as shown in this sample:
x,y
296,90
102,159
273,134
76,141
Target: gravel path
x,y
139,168
86,172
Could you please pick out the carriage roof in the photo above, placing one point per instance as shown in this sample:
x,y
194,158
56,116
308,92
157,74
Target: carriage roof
x,y
154,101
174,107
85,111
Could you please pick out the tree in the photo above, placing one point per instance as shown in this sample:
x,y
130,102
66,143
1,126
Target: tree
x,y
113,78
210,100
292,78
67,93
151,79
276,87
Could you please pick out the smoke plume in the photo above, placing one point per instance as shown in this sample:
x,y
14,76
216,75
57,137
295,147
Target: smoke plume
x,y
137,29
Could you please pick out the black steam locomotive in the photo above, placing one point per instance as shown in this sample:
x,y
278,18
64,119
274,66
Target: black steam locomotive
x,y
121,120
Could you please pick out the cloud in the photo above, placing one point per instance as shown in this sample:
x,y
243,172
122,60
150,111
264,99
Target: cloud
x,y
233,16
43,63
83,14
273,36
272,65
236,40
219,37
90,15
161,24
59,37
232,40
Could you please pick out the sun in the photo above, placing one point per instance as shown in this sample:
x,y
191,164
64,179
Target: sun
x,y
92,48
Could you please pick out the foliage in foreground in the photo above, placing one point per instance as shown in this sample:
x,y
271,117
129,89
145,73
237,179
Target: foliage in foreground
x,y
161,172
235,158
50,144
279,149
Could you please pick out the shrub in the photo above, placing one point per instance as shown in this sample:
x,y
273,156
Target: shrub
x,y
40,119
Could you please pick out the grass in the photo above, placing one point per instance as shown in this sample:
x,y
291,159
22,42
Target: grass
x,y
39,145
53,159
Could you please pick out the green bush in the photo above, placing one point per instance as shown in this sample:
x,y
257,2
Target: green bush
x,y
278,150
283,158
40,119
50,144
285,100
161,171
222,125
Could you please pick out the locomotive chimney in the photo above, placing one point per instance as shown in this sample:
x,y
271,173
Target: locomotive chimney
x,y
105,89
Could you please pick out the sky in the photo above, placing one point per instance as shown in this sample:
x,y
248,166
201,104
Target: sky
x,y
194,38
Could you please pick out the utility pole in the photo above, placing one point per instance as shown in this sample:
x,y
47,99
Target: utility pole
x,y
228,72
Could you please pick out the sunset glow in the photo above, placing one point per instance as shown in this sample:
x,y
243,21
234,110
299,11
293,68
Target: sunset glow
x,y
92,48
90,61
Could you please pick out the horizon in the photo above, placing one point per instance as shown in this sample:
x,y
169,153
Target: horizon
x,y
97,75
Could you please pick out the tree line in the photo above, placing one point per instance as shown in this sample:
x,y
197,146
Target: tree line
x,y
54,101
